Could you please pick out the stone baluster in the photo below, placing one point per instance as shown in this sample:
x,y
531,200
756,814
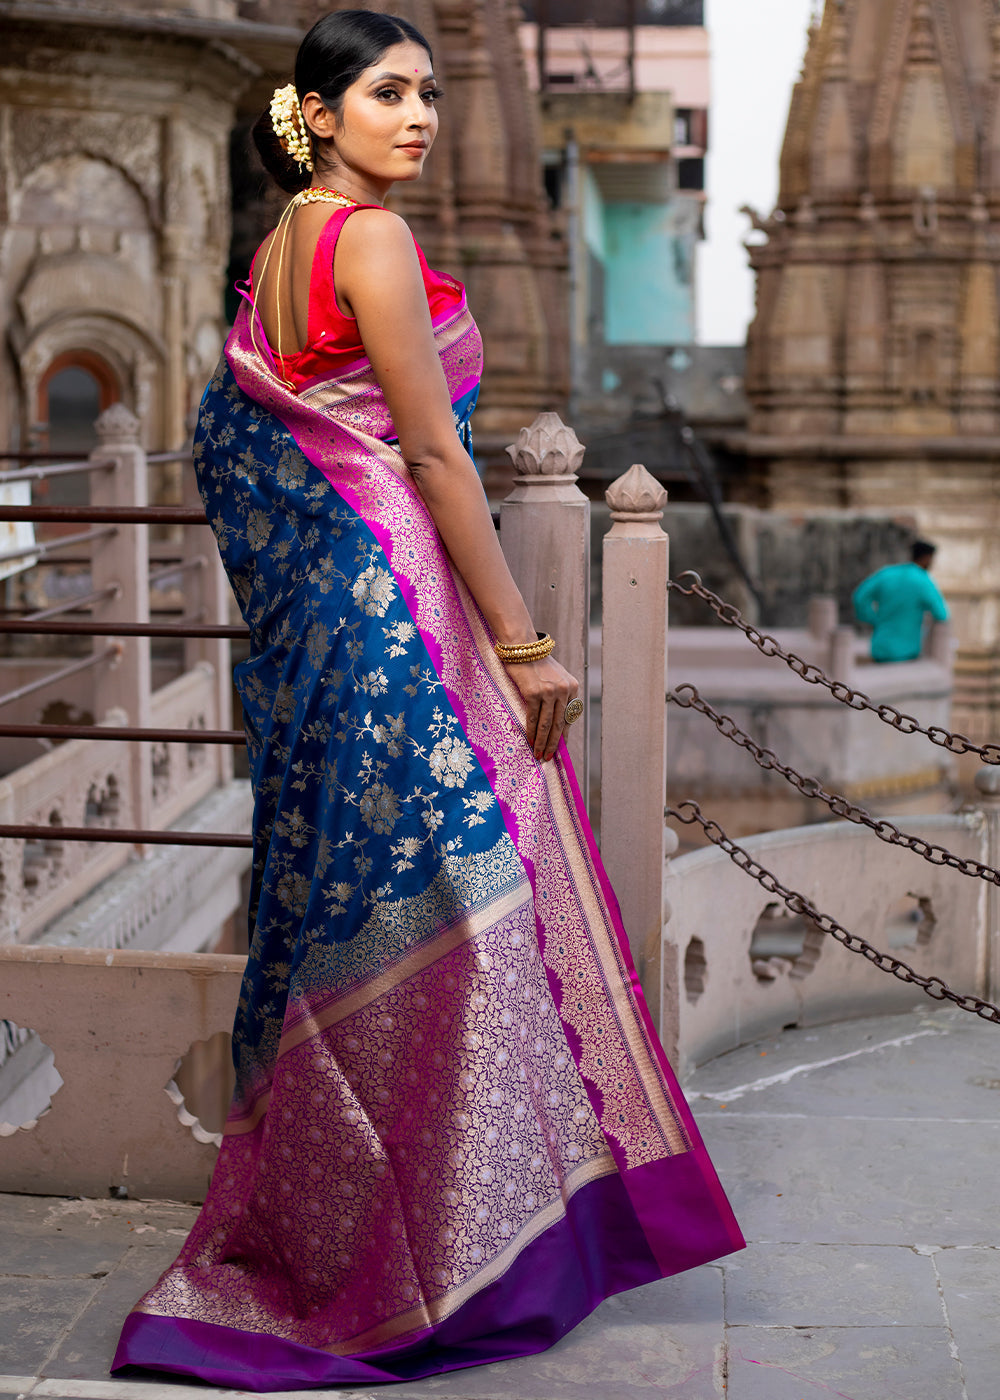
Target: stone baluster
x,y
634,725
545,533
942,645
122,559
207,595
822,616
842,644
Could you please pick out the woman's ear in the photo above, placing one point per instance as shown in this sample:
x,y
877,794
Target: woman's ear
x,y
318,116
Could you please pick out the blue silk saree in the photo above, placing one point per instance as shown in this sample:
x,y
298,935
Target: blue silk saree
x,y
454,1130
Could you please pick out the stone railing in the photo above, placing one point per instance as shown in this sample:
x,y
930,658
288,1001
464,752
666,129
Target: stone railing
x,y
844,748
83,782
116,1025
87,784
737,966
80,783
185,773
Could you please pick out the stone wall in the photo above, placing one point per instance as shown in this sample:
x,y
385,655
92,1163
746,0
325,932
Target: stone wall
x,y
114,205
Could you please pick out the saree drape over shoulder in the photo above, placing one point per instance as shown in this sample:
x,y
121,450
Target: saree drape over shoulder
x,y
454,1130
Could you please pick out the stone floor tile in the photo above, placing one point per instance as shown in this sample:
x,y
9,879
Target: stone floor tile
x,y
970,1282
831,1286
855,1363
52,1237
652,1343
89,1346
835,1181
948,1060
34,1314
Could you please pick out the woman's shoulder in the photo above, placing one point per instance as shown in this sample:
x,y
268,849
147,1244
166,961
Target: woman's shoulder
x,y
377,230
375,248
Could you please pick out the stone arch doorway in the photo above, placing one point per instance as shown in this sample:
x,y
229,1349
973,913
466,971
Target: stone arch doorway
x,y
72,391
76,386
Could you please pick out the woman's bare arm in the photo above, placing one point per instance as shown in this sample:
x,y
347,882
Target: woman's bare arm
x,y
379,281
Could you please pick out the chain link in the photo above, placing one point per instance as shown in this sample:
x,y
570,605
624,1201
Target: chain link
x,y
688,698
690,813
814,675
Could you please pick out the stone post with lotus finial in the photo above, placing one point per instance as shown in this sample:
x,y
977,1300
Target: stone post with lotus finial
x,y
545,534
634,837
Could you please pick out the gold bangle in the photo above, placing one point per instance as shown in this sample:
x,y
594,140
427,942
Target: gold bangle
x,y
522,652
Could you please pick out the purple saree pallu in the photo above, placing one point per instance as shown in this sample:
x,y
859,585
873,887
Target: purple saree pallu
x,y
454,1131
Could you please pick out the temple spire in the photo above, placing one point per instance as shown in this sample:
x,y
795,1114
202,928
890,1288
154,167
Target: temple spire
x,y
922,47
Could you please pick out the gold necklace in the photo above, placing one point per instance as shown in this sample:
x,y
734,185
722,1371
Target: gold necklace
x,y
319,194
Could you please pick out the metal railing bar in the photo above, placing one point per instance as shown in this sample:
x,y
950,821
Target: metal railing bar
x,y
33,455
70,559
106,515
57,469
43,548
184,455
122,629
125,837
186,566
71,604
235,737
54,676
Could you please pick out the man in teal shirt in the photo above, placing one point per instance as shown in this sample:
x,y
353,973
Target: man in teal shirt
x,y
894,600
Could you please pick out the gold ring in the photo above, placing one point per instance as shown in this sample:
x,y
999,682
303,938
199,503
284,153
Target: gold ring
x,y
573,711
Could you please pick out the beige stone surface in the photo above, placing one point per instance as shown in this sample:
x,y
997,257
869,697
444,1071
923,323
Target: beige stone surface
x,y
634,722
733,989
118,1023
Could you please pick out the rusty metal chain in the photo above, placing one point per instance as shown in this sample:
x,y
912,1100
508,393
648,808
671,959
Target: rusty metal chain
x,y
814,675
688,698
690,813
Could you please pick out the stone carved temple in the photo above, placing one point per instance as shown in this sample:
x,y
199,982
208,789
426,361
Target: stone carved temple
x,y
115,200
874,360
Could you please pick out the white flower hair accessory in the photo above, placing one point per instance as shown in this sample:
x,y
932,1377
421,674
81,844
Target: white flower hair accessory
x,y
289,125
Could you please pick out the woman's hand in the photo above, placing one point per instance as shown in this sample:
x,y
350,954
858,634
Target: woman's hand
x,y
547,688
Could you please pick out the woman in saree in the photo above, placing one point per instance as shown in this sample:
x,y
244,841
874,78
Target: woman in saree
x,y
454,1131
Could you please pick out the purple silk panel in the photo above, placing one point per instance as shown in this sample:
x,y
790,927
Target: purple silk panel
x,y
596,1250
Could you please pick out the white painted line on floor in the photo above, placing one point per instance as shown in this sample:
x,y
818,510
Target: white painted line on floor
x,y
16,1385
852,1118
755,1085
154,1390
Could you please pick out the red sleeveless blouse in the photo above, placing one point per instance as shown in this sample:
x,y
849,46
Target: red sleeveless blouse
x,y
333,342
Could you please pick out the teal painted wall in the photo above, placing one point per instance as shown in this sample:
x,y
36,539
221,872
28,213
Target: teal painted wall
x,y
648,254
